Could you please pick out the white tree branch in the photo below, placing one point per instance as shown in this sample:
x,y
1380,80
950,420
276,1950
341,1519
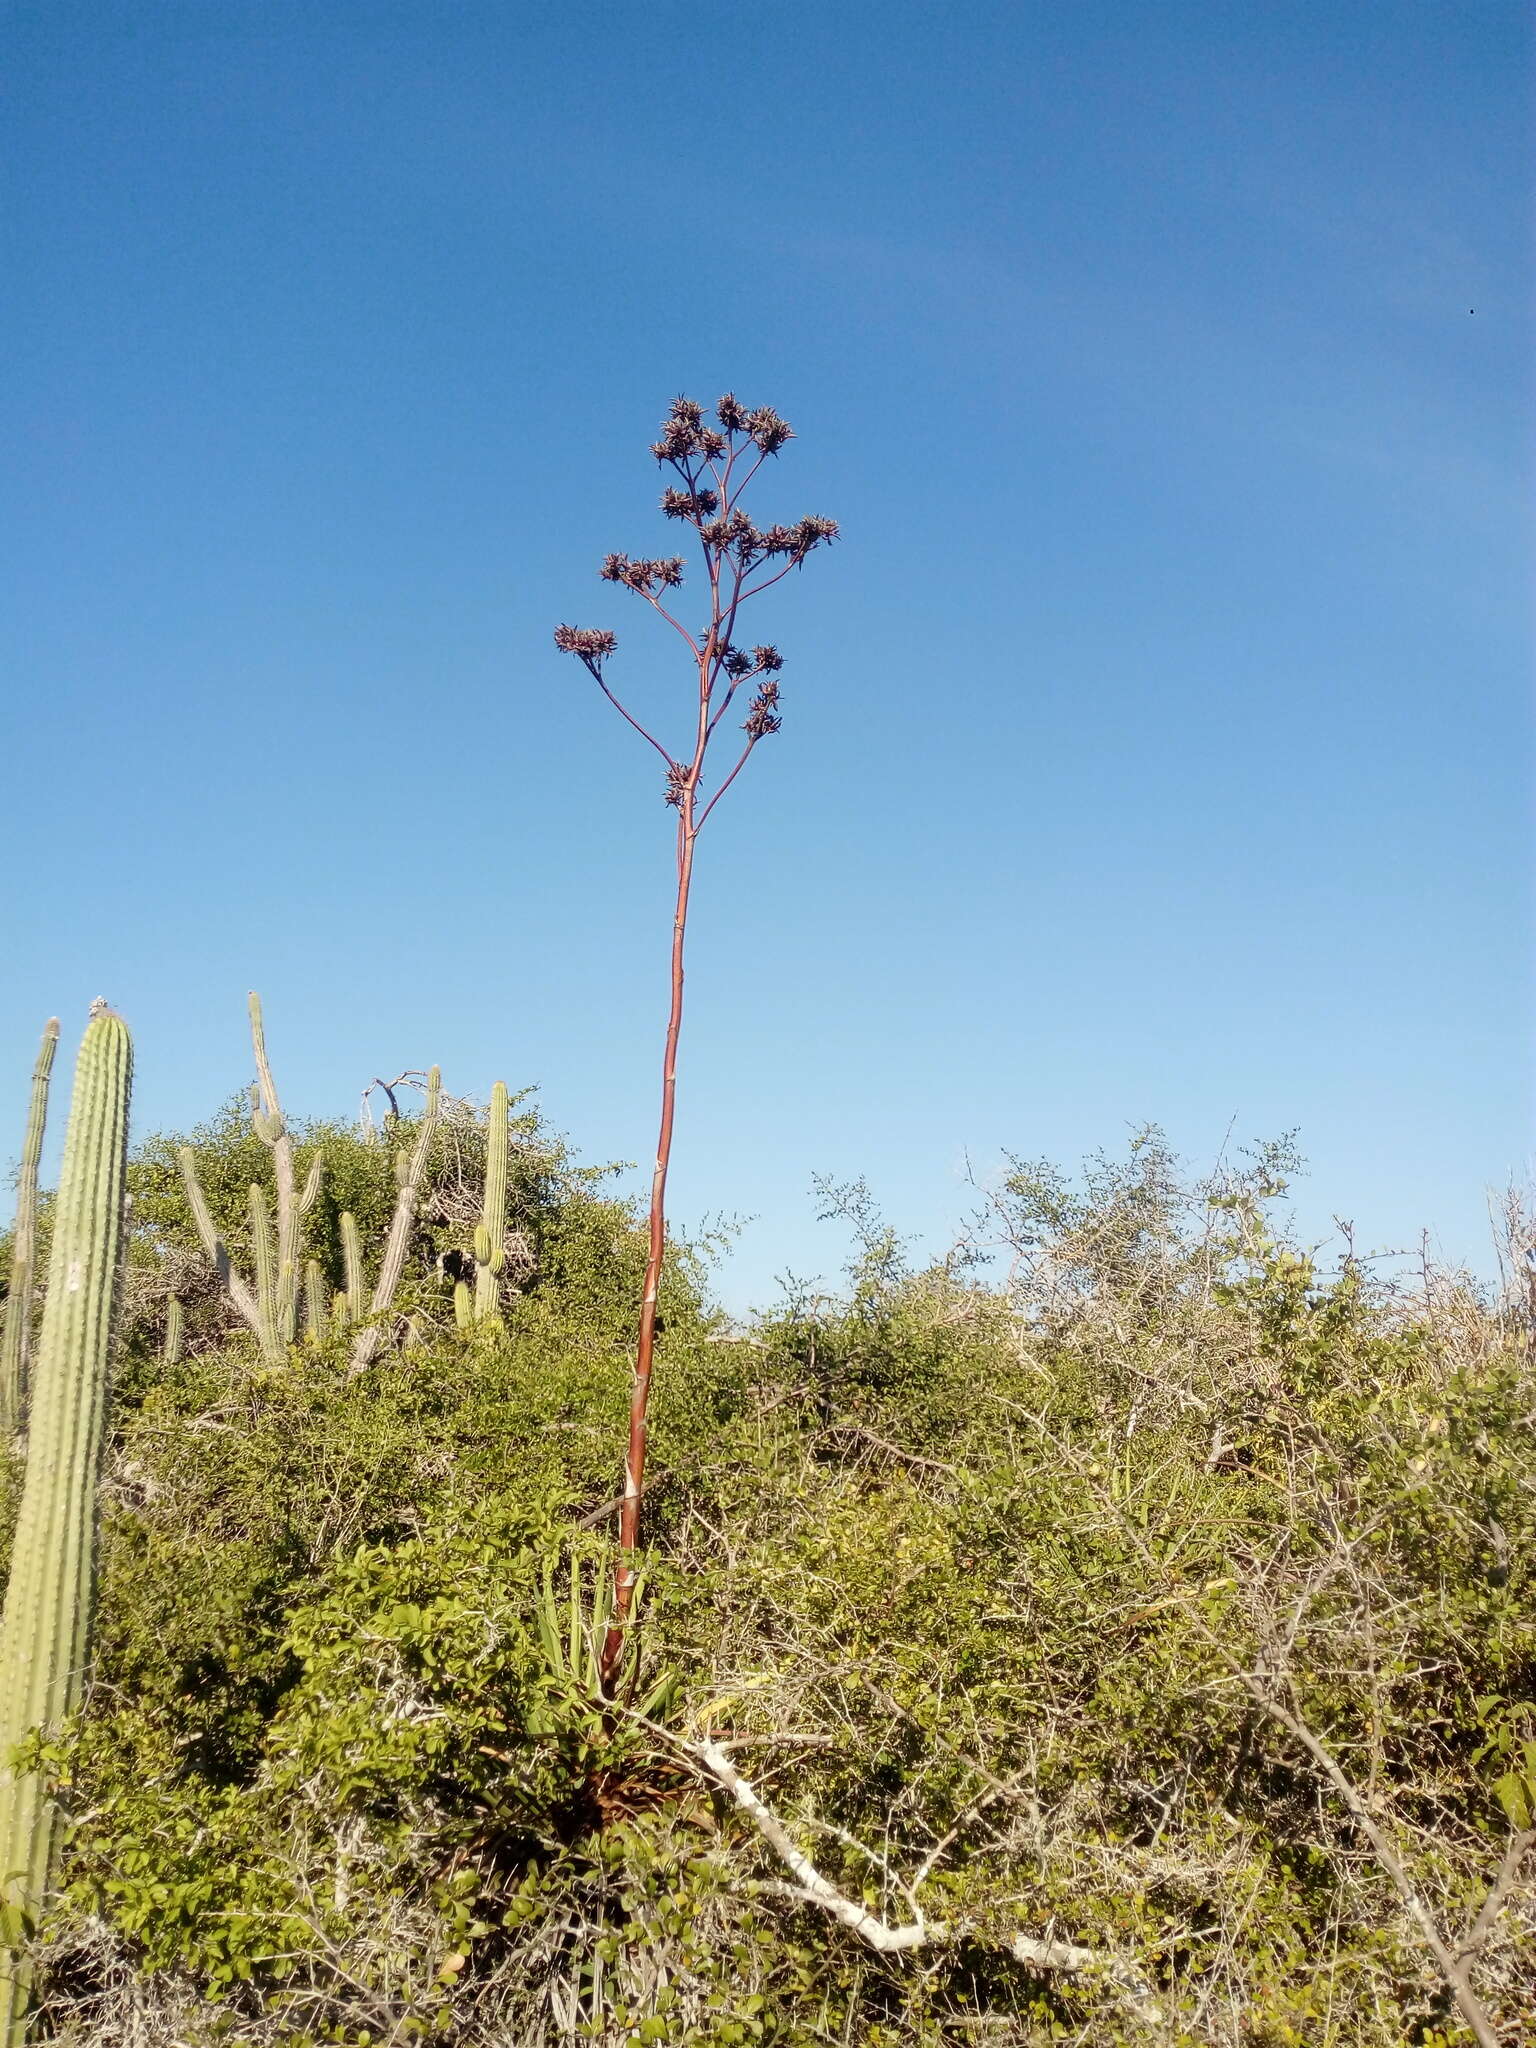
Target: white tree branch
x,y
814,1889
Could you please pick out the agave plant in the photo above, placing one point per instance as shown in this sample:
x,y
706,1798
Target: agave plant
x,y
713,465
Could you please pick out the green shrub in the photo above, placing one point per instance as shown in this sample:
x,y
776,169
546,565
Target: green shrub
x,y
986,1581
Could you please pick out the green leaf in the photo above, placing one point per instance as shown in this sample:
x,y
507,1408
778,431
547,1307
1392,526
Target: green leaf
x,y
1517,1795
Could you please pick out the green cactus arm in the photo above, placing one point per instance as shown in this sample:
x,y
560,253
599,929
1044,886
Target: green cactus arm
x,y
45,1631
352,1266
272,1128
268,1278
269,1309
170,1351
463,1306
493,1214
16,1344
267,1102
315,1318
233,1282
368,1339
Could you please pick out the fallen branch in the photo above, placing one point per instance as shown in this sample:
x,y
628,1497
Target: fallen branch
x,y
813,1889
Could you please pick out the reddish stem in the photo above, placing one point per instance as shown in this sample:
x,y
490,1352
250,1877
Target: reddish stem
x,y
634,1461
711,653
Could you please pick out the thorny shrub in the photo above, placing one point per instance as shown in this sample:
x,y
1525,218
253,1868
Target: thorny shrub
x,y
993,1578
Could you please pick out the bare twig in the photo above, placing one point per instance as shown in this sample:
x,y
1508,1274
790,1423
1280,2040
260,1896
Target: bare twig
x,y
412,1076
1520,1846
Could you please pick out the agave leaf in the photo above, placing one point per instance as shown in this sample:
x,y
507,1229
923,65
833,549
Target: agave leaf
x,y
545,1621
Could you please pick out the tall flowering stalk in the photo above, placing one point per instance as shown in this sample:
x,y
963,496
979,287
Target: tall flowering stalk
x,y
713,466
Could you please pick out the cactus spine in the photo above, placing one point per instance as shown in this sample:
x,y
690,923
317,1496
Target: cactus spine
x,y
16,1345
45,1634
490,1238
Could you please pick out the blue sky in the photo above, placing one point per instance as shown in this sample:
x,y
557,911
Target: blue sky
x,y
1157,743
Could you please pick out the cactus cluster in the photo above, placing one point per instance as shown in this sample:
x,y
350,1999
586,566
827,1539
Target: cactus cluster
x,y
16,1344
282,1278
45,1632
46,1626
268,1302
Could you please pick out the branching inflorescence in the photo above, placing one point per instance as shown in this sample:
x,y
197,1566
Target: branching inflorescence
x,y
713,466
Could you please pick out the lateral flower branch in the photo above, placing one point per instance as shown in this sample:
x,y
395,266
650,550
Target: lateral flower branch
x,y
712,466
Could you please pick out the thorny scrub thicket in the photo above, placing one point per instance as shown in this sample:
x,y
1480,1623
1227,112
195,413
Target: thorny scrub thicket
x,y
1086,1618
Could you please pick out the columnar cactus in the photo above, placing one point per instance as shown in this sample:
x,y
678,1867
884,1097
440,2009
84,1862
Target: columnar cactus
x,y
175,1327
282,1279
292,1207
410,1168
270,1307
263,1263
316,1320
16,1345
353,1305
490,1245
45,1633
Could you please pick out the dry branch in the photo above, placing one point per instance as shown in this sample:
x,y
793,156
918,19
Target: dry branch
x,y
1520,1846
811,1887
